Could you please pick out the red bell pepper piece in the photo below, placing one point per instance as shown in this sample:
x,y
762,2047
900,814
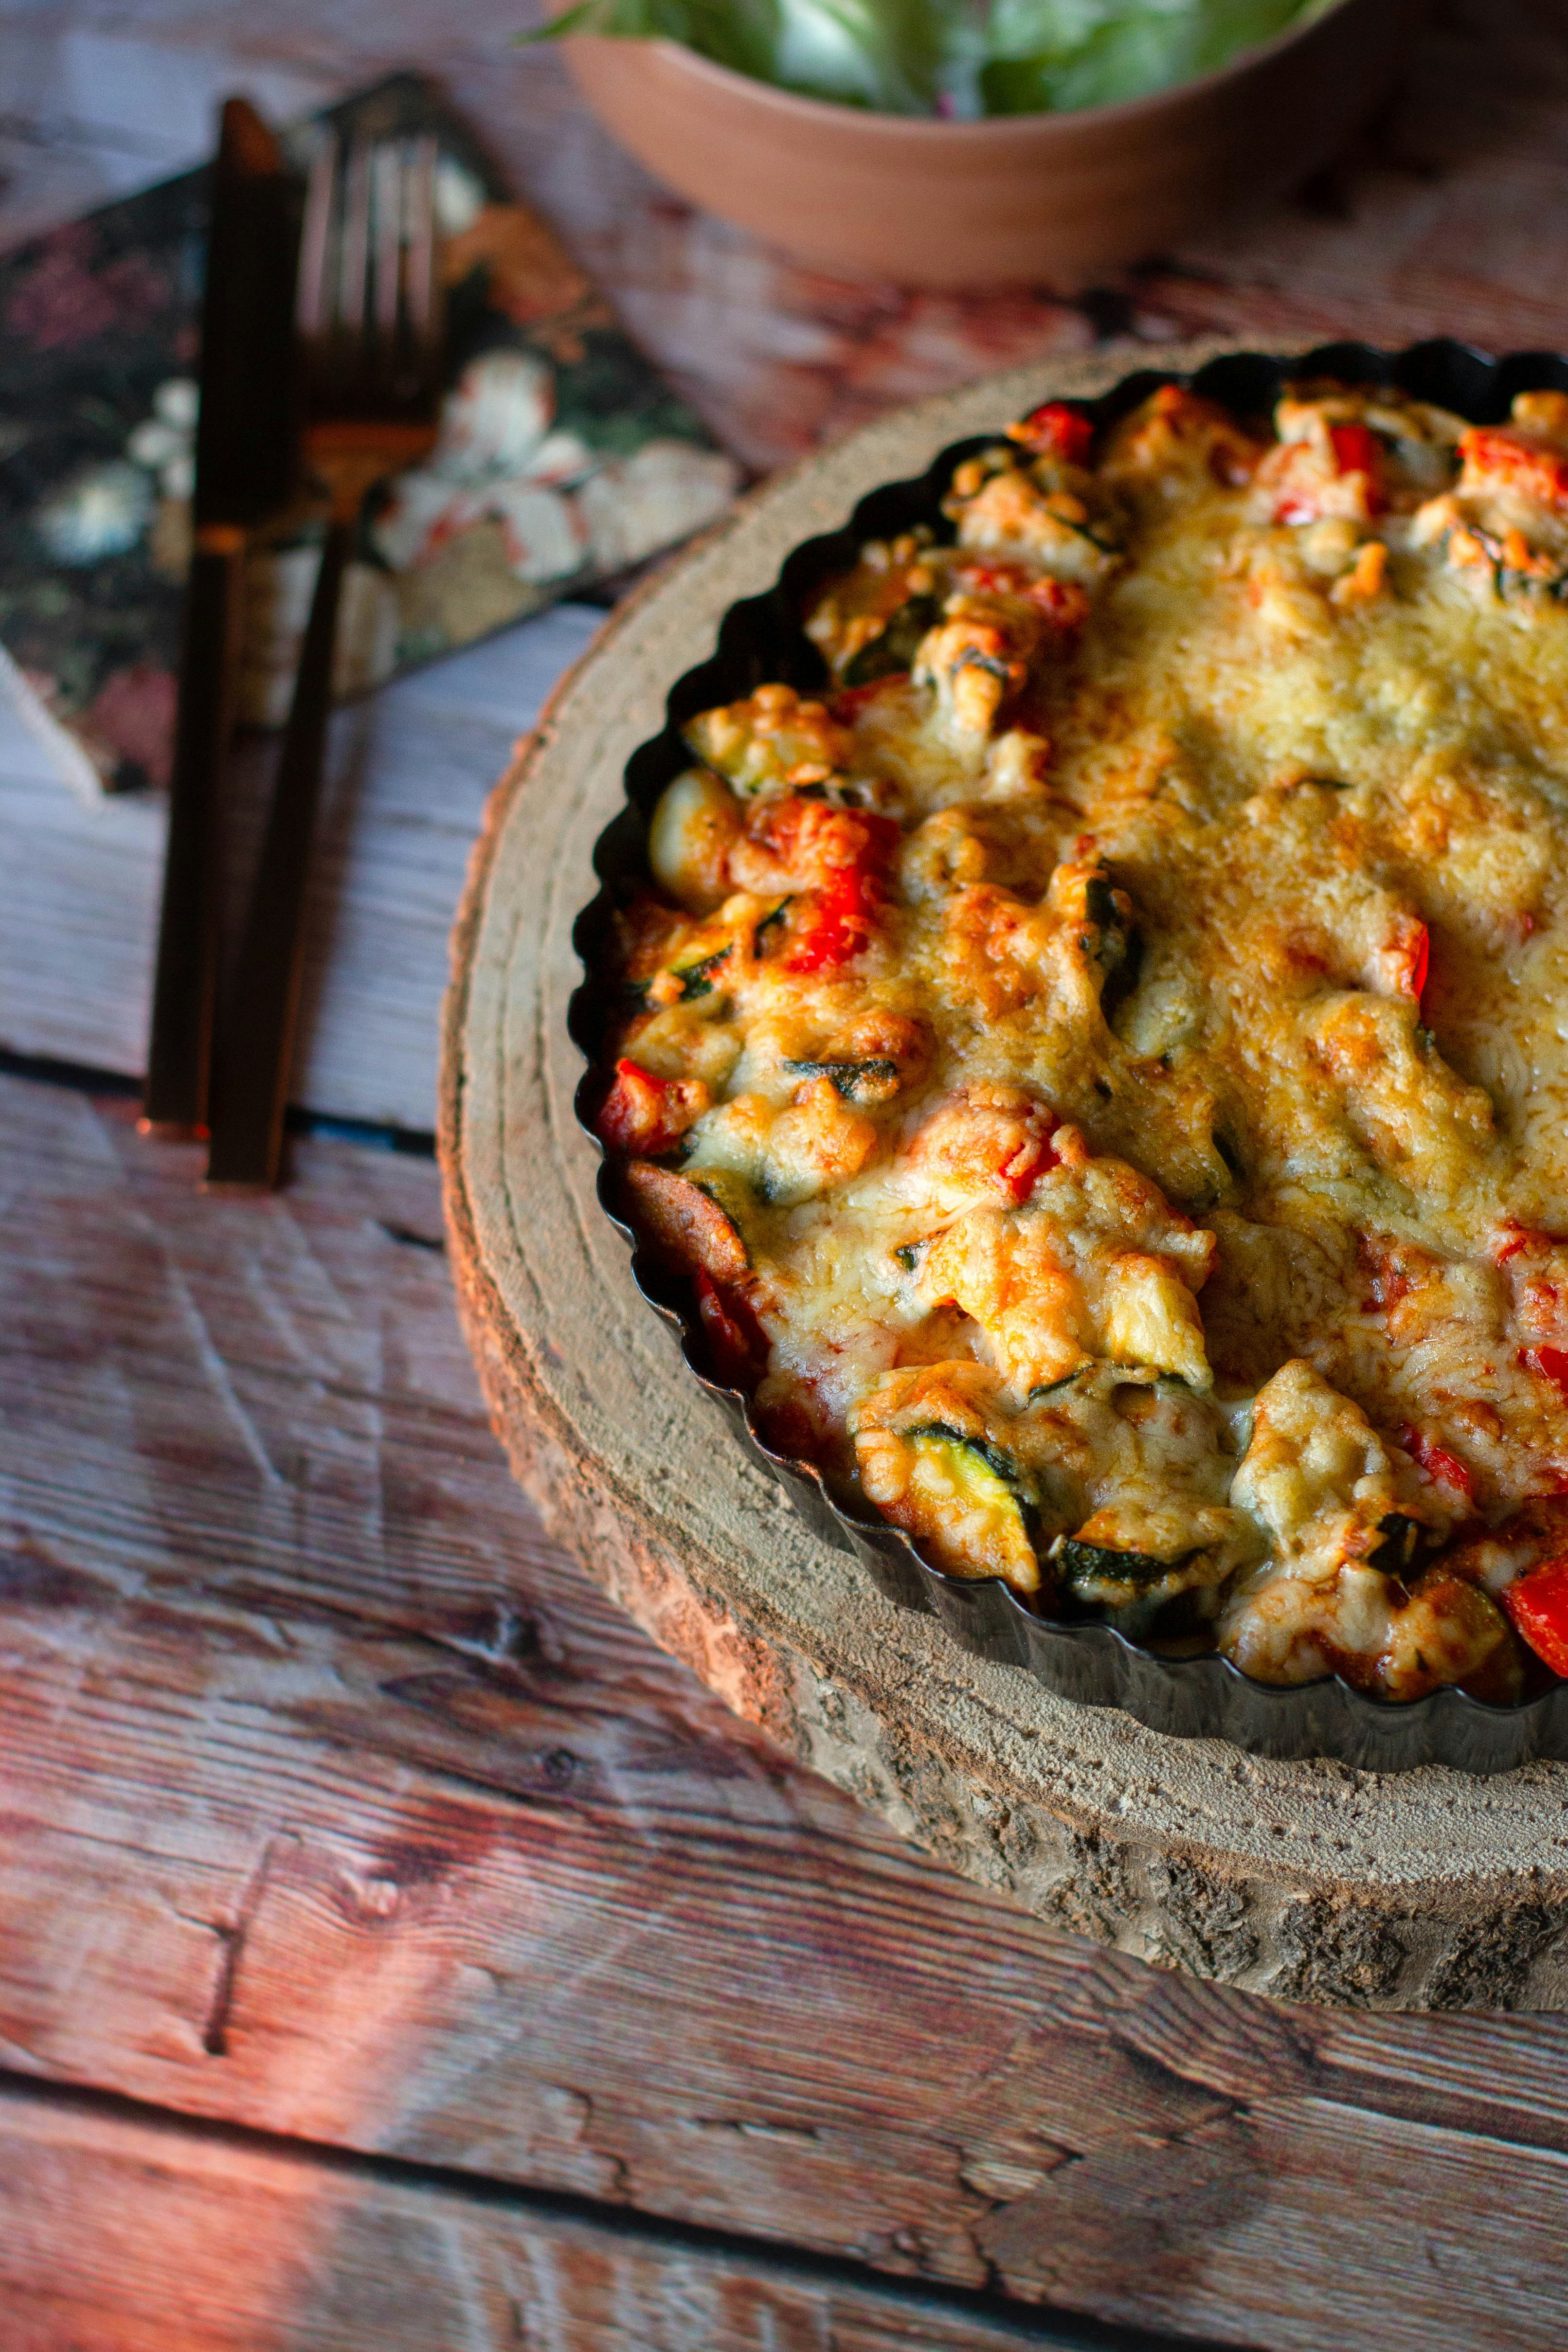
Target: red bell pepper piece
x,y
851,700
1016,1179
1437,1462
836,924
1551,1363
737,1339
1390,1280
1496,456
1537,1606
1513,1240
645,1117
837,920
1356,452
1417,958
1055,430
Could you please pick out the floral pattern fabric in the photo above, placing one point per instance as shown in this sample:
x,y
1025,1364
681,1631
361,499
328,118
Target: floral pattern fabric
x,y
563,460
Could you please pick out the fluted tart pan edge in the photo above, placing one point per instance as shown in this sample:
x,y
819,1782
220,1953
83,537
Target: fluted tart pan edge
x,y
1205,1697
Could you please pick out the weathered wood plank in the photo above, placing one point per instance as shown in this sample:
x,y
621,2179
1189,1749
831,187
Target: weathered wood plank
x,y
1507,2077
407,775
216,1425
119,2234
90,116
270,1397
1446,221
335,1801
317,1883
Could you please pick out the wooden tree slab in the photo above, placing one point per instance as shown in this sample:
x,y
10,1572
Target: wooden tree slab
x,y
1310,1880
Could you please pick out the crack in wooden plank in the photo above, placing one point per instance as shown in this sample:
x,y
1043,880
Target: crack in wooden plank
x,y
764,2260
232,1938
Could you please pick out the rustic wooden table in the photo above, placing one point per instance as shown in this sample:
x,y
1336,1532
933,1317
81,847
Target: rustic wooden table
x,y
395,1947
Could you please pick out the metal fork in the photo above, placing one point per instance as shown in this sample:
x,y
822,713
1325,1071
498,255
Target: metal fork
x,y
369,320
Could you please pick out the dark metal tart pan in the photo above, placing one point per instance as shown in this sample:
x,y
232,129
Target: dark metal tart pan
x,y
761,640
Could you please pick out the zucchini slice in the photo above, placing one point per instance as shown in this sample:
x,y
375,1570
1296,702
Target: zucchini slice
x,y
770,921
1404,1540
693,966
1114,946
694,822
697,963
856,1082
895,650
1107,1579
964,1500
696,973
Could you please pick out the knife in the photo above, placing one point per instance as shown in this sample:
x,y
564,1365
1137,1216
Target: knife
x,y
245,471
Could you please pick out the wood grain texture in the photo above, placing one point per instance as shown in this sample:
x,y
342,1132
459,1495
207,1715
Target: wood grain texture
x,y
324,1776
1306,1880
1445,219
405,781
242,2248
335,1801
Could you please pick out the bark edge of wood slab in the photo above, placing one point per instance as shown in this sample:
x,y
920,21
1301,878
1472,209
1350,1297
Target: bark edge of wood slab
x,y
1305,1881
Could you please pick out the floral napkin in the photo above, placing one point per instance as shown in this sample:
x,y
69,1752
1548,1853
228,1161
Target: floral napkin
x,y
563,460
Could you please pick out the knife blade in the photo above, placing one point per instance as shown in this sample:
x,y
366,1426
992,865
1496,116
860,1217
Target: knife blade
x,y
246,440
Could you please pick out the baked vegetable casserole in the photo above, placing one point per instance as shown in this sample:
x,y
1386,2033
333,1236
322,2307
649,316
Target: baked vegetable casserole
x,y
1102,1059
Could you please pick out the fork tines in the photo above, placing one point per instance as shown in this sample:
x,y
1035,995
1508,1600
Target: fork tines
x,y
370,337
368,310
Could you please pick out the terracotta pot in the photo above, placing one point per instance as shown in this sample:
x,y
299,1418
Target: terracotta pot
x,y
1057,199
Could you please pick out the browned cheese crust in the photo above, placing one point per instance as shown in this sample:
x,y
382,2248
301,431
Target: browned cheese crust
x,y
1105,1059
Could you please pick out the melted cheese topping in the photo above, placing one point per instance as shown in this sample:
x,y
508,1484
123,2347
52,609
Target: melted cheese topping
x,y
1106,1060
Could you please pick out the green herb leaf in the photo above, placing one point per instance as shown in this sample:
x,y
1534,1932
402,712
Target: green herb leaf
x,y
952,57
1060,55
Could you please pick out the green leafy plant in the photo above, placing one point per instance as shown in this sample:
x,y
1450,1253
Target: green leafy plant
x,y
954,58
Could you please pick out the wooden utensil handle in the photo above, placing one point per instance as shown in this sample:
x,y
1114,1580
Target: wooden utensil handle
x,y
185,978
255,1046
